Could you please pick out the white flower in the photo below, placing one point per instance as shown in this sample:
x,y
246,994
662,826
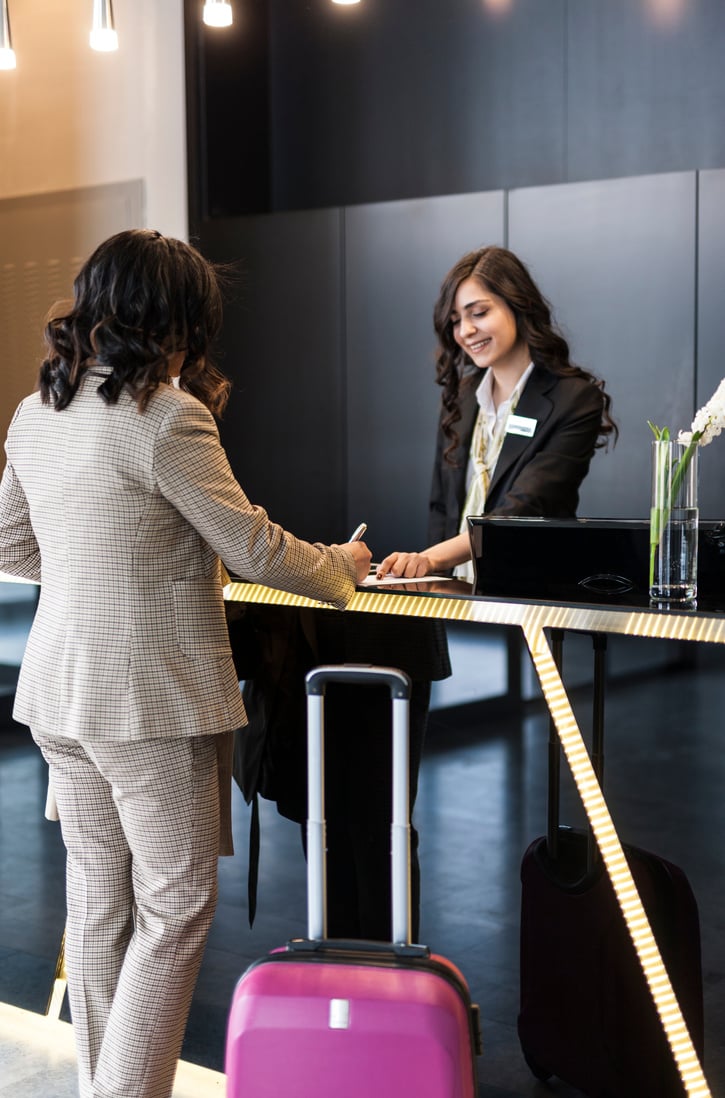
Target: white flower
x,y
709,421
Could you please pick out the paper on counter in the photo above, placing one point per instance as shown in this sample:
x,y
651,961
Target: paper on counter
x,y
372,581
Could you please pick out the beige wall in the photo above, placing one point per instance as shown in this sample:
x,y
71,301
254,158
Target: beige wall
x,y
71,117
90,143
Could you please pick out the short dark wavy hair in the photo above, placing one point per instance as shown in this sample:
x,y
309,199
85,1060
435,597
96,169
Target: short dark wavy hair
x,y
139,299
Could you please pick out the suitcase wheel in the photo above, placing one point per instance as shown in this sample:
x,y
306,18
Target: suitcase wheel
x,y
535,1068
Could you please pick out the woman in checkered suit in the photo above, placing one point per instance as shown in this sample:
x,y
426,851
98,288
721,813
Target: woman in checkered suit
x,y
118,499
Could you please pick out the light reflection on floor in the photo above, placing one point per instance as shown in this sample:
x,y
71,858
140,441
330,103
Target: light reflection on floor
x,y
35,1049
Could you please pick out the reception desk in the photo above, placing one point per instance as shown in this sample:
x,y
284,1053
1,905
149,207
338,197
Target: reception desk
x,y
454,601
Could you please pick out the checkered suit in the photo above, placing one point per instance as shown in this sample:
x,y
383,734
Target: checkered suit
x,y
140,823
126,682
130,512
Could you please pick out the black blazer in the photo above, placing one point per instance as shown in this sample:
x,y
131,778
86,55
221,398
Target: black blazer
x,y
533,476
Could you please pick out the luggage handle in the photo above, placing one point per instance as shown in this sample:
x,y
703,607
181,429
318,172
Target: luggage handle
x,y
398,682
399,685
351,945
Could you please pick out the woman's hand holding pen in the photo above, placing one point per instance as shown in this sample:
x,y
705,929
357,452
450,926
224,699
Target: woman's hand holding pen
x,y
360,553
362,557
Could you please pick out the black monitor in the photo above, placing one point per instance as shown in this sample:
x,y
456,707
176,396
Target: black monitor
x,y
585,560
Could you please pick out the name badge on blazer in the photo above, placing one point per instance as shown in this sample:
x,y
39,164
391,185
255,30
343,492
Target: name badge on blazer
x,y
521,425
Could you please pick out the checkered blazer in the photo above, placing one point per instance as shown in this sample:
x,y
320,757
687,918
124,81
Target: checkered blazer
x,y
122,516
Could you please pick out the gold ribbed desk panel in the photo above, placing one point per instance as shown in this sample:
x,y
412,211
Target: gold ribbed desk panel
x,y
685,625
446,603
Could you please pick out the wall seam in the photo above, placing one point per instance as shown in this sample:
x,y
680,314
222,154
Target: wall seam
x,y
565,96
696,297
345,494
506,219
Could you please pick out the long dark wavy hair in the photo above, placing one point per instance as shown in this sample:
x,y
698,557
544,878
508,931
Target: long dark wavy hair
x,y
502,273
138,300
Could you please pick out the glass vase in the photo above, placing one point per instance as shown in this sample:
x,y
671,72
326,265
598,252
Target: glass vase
x,y
673,522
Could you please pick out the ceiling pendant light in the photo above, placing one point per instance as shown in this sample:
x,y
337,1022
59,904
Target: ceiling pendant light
x,y
217,13
7,53
346,1
103,31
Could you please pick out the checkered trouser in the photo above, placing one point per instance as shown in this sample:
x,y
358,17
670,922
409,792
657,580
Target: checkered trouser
x,y
140,823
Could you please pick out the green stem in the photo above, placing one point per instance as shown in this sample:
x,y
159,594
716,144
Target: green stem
x,y
682,466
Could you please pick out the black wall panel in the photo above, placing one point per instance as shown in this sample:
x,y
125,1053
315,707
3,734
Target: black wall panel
x,y
616,258
227,102
396,255
711,331
284,428
645,86
394,100
321,105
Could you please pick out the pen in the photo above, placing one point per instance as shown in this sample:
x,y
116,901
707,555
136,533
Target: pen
x,y
359,532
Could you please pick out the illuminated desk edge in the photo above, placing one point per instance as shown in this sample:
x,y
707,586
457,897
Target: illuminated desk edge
x,y
628,621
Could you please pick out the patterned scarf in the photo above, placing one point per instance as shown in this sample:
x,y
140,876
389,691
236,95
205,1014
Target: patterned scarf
x,y
484,454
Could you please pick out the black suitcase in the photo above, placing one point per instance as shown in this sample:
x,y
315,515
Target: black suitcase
x,y
586,1013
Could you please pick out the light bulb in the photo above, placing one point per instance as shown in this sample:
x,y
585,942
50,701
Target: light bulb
x,y
217,13
104,40
7,53
103,35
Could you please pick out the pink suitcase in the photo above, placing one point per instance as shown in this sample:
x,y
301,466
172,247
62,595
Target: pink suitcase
x,y
322,1018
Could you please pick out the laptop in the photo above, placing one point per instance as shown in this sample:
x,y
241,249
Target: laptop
x,y
581,560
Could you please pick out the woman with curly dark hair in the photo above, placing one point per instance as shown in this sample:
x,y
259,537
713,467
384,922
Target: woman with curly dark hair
x,y
519,421
118,499
149,308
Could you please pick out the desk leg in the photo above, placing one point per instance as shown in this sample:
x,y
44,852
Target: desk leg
x,y
613,857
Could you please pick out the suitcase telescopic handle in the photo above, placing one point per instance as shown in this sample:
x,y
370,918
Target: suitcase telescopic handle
x,y
399,685
397,681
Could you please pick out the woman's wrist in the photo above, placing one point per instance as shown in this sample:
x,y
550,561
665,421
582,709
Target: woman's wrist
x,y
447,554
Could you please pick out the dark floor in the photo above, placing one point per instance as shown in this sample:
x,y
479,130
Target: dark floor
x,y
481,800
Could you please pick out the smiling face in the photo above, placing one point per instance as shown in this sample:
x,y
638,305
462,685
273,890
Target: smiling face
x,y
484,327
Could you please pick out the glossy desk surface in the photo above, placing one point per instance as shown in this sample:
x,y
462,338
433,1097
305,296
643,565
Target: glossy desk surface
x,y
454,600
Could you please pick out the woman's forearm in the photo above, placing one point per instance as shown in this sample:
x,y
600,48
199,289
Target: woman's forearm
x,y
438,558
447,554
